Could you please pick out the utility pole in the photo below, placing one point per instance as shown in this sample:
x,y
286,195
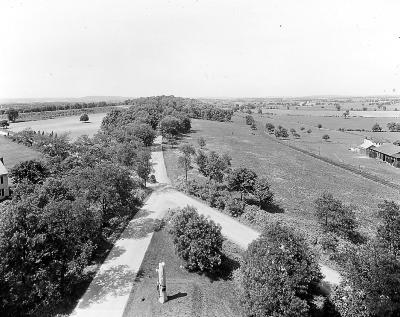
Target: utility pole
x,y
161,284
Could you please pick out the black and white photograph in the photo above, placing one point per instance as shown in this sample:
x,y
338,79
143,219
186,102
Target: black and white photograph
x,y
199,158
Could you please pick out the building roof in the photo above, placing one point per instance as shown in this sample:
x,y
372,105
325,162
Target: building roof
x,y
3,169
388,149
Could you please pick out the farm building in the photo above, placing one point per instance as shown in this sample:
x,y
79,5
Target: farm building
x,y
4,190
388,152
368,142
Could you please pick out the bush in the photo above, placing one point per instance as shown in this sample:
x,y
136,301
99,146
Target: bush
x,y
278,272
197,240
329,242
235,207
84,117
254,215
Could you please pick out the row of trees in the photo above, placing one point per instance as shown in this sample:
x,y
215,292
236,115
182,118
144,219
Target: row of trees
x,y
236,191
55,106
191,107
68,209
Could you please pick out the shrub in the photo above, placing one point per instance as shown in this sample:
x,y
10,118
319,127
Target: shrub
x,y
329,242
197,240
278,271
235,207
325,137
84,117
376,128
309,131
319,125
254,215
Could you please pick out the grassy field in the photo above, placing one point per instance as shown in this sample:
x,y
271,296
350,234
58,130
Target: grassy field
x,y
189,294
339,148
70,125
296,178
14,153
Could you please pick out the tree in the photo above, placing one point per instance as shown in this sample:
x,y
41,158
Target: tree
x,y
277,274
281,132
319,125
346,114
293,131
202,142
169,125
12,114
145,133
46,241
338,107
309,131
334,216
270,127
142,165
4,123
376,128
393,127
389,230
197,240
201,161
84,117
185,160
373,281
215,167
262,192
242,180
32,171
249,119
325,137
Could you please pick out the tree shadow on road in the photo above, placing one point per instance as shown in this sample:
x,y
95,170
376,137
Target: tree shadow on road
x,y
116,281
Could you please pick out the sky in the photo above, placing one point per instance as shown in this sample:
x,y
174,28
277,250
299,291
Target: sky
x,y
216,48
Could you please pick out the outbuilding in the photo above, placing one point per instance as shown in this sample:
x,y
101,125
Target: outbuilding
x,y
388,153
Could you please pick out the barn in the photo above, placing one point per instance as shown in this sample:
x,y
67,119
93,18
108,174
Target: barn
x,y
388,153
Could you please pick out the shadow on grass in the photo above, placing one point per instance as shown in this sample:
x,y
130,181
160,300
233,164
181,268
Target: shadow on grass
x,y
177,295
272,207
224,271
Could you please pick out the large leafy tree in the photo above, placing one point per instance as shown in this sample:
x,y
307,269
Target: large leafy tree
x,y
145,133
197,240
12,114
389,230
278,274
185,159
334,216
372,283
263,192
243,180
32,171
46,239
169,125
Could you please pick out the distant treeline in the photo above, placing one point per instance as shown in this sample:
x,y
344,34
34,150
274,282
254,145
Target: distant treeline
x,y
192,107
54,106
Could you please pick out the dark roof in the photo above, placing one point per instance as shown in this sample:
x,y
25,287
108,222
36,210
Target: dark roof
x,y
388,149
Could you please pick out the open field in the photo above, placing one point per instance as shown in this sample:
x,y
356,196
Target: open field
x,y
339,147
14,153
70,125
297,179
189,294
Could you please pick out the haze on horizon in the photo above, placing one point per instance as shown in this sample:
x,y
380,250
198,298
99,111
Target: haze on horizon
x,y
199,48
